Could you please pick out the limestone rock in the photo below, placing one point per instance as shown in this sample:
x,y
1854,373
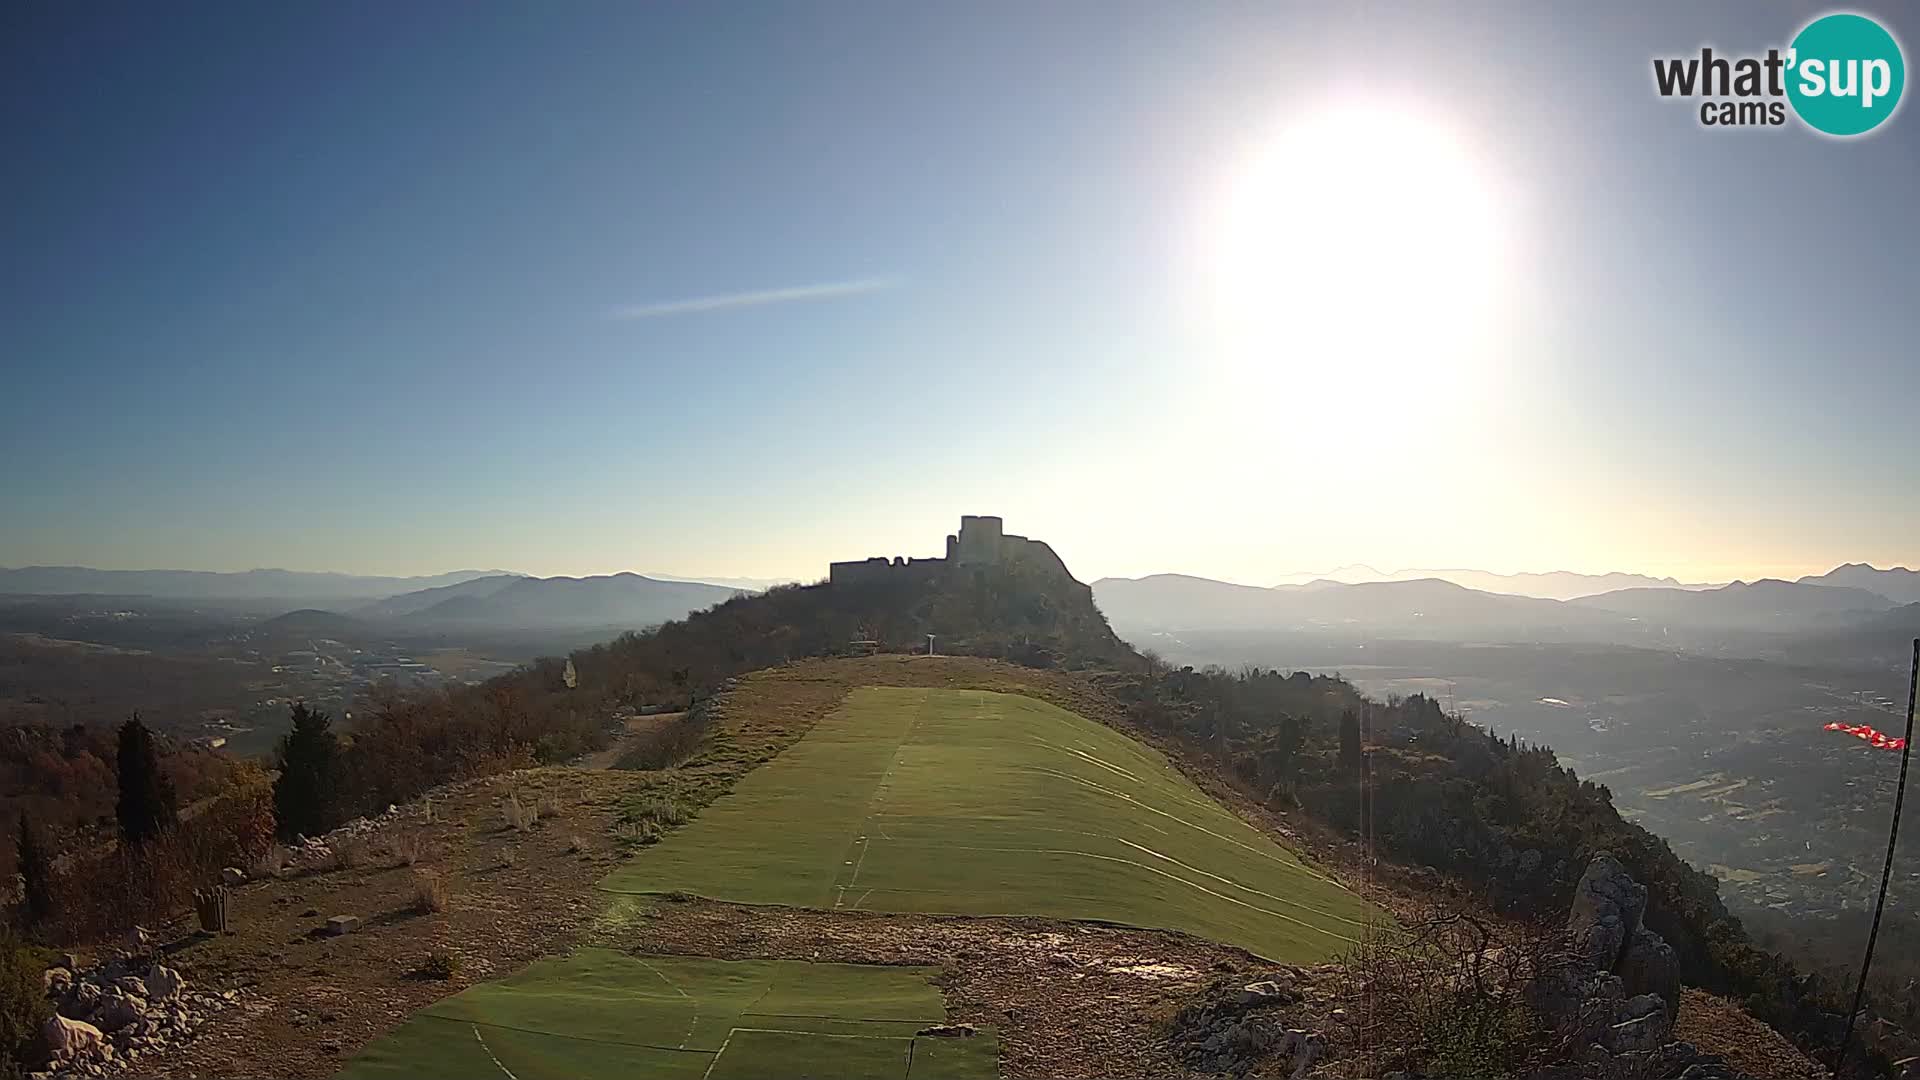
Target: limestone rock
x,y
70,1038
232,876
1607,908
163,983
1650,966
57,981
118,1010
342,924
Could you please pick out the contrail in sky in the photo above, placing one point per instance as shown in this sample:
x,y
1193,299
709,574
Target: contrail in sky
x,y
728,301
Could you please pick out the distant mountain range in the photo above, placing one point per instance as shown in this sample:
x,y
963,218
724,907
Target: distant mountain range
x,y
1768,604
209,585
1553,585
1898,584
607,600
1420,607
1430,607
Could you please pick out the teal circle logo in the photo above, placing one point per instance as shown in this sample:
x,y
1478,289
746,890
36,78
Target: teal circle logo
x,y
1845,74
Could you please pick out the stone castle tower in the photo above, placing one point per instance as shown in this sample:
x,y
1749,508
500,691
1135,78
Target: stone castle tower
x,y
981,541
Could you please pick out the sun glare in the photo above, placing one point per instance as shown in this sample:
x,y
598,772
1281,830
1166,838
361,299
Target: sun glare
x,y
1355,252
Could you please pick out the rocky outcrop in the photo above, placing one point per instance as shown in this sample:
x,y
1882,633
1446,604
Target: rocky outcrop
x,y
1615,1001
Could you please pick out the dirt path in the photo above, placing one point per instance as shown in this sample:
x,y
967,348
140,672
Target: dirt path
x,y
636,726
311,1001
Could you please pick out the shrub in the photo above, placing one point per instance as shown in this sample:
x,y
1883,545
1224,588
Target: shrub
x,y
667,812
669,743
549,807
509,857
439,964
429,892
23,1004
1451,997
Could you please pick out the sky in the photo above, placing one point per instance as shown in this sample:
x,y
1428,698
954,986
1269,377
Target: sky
x,y
738,289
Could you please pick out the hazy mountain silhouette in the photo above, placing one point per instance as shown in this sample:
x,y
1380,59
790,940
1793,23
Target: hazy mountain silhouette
x,y
1419,607
607,600
1768,604
1552,585
210,585
394,607
1898,584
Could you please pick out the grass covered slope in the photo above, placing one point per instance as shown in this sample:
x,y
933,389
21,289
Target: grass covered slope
x,y
605,1014
978,803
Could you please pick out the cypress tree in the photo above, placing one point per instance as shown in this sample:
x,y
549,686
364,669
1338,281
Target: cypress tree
x,y
306,797
147,805
1350,741
36,874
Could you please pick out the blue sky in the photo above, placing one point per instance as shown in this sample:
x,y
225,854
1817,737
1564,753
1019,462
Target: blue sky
x,y
403,288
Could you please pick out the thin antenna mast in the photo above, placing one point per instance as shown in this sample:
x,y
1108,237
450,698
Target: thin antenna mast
x,y
1886,874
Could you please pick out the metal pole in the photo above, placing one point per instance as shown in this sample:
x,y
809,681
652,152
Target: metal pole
x,y
1886,874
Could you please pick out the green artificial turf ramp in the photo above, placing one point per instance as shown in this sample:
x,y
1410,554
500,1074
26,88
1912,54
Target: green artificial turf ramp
x,y
977,803
600,1013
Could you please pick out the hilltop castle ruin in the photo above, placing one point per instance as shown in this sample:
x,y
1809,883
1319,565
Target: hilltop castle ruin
x,y
981,541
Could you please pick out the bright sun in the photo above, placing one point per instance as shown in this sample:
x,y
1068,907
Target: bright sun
x,y
1358,251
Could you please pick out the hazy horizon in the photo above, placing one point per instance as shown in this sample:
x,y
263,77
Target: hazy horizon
x,y
762,580
397,290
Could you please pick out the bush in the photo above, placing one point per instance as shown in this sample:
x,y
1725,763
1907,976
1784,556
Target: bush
x,y
670,743
666,812
429,892
509,858
23,1003
1451,996
439,965
99,897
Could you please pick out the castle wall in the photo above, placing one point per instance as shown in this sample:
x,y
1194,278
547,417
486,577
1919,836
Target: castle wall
x,y
981,541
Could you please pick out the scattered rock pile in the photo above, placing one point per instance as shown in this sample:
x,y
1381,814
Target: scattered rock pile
x,y
109,1017
313,850
1235,1027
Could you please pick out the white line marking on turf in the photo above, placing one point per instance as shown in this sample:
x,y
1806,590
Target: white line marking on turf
x,y
489,1050
691,1024
1178,878
1294,866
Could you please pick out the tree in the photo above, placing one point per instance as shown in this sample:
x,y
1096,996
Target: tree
x,y
147,805
36,875
306,796
1350,741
